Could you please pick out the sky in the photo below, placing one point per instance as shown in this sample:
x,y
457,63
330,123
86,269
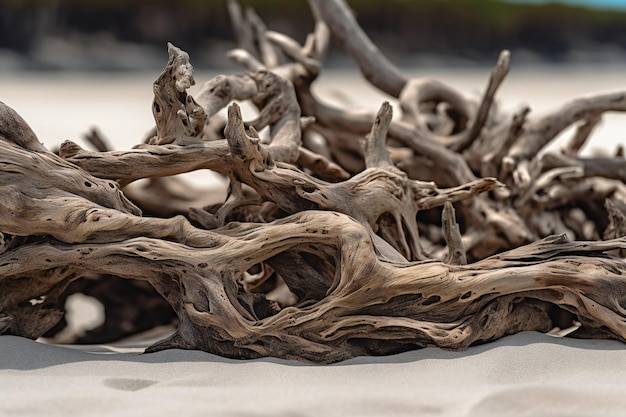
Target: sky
x,y
603,4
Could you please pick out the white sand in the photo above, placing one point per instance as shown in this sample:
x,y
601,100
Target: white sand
x,y
528,374
523,375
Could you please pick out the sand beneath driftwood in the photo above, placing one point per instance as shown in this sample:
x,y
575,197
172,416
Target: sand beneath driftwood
x,y
526,374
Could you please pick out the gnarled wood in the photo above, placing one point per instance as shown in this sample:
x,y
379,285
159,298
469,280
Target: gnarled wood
x,y
333,246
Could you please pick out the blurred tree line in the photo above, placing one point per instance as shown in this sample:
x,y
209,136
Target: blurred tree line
x,y
476,29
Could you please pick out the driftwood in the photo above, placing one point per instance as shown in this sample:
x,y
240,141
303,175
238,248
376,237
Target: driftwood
x,y
343,232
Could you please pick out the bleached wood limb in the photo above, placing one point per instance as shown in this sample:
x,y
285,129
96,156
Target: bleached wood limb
x,y
538,133
496,78
388,191
346,31
581,136
375,143
420,94
280,111
506,221
422,102
424,304
242,29
306,69
218,92
343,147
321,166
236,198
149,161
267,53
358,123
307,58
495,138
452,235
548,179
617,223
304,56
562,192
289,188
611,168
385,76
179,119
97,140
14,129
489,153
246,59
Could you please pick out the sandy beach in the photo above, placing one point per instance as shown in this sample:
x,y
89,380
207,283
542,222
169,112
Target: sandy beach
x,y
529,374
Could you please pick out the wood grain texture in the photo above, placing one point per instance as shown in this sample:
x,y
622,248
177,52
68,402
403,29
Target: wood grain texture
x,y
343,232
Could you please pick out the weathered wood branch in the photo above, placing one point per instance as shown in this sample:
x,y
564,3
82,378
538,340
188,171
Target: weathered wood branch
x,y
613,168
334,246
452,235
435,304
346,31
178,117
539,133
377,191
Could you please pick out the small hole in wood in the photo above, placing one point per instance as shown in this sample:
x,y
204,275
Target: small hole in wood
x,y
431,300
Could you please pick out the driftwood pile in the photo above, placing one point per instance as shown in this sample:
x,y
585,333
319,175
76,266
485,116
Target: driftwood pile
x,y
338,237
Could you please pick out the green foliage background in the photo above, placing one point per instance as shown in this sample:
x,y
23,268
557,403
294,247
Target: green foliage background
x,y
476,29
